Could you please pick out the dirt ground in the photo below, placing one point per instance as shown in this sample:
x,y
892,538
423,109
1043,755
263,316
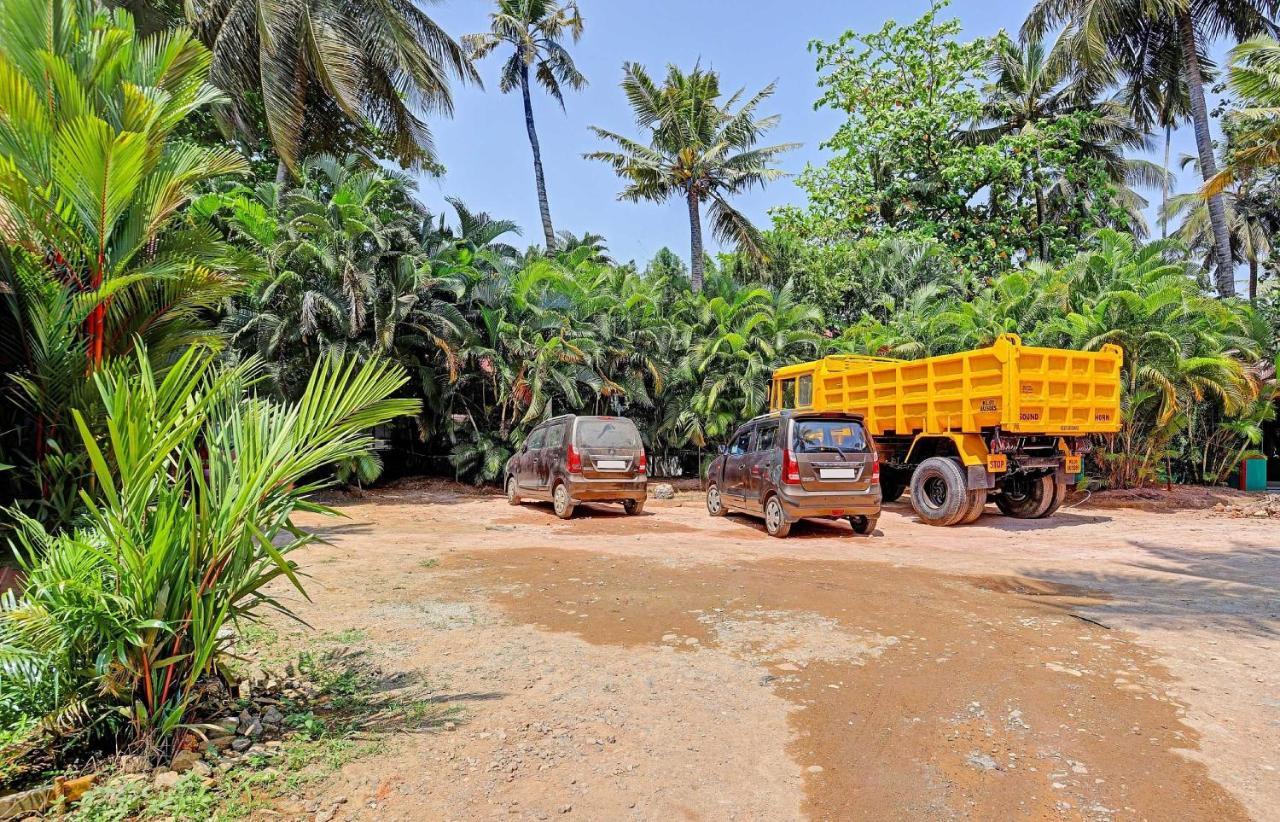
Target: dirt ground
x,y
1109,663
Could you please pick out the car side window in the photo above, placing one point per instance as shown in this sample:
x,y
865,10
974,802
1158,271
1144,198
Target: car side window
x,y
536,439
741,443
554,436
766,437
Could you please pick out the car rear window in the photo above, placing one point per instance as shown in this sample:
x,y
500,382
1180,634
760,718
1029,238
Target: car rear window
x,y
829,435
608,433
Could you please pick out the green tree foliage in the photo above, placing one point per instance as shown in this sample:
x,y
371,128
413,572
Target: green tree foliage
x,y
697,148
98,253
121,618
906,160
324,76
533,30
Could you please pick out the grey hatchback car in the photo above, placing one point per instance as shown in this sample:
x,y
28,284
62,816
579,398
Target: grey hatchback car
x,y
570,459
789,465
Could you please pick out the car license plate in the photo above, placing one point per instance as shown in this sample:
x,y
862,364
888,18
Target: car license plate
x,y
611,465
839,473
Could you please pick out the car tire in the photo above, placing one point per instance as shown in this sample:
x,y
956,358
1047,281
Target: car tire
x,y
1026,498
715,504
561,502
939,493
633,507
892,484
775,518
863,524
513,491
977,504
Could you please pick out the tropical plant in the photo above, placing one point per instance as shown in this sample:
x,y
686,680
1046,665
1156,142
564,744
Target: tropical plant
x,y
534,30
324,76
1099,39
198,485
698,149
98,250
1254,146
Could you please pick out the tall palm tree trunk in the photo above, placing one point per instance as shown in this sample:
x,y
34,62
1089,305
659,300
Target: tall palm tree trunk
x,y
696,257
1253,278
1224,274
1164,184
543,204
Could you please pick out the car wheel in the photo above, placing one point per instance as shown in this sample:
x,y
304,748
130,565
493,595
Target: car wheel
x,y
561,501
864,524
938,492
775,519
513,492
715,505
633,506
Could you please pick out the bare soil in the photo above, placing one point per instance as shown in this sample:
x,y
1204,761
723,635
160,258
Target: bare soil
x,y
1108,663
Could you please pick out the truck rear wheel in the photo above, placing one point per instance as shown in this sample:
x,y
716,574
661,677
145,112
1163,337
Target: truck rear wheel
x,y
1060,489
1026,497
938,492
977,504
892,483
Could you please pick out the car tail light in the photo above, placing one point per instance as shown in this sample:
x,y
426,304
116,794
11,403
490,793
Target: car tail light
x,y
875,470
790,469
574,460
643,464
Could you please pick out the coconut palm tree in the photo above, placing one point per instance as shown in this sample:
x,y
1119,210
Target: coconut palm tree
x,y
534,29
698,149
1028,90
1101,37
1255,143
330,76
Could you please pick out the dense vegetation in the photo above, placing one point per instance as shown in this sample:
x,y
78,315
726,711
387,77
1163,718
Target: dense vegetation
x,y
216,292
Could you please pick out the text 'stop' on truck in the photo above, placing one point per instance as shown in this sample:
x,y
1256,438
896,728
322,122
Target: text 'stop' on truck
x,y
1007,424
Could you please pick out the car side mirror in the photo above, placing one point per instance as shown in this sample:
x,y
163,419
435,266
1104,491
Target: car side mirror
x,y
723,449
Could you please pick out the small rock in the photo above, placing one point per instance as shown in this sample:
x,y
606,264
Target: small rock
x,y
982,761
815,769
166,780
244,690
132,763
241,744
201,769
499,528
693,640
663,490
272,716
184,761
566,808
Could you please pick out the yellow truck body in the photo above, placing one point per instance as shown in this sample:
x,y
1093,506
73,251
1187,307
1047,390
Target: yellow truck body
x,y
1017,388
1011,416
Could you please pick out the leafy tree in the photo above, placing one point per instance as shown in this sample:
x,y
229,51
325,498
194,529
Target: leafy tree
x,y
698,149
1100,38
330,76
534,30
1255,137
907,161
98,250
666,264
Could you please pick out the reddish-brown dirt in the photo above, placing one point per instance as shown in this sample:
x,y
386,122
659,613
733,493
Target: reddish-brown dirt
x,y
1104,664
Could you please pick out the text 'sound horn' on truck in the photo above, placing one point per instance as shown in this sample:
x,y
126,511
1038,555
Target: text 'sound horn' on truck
x,y
1006,424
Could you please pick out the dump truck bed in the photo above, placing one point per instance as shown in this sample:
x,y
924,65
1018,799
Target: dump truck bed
x,y
1018,389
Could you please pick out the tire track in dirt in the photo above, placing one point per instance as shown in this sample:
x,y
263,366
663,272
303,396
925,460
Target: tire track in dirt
x,y
914,693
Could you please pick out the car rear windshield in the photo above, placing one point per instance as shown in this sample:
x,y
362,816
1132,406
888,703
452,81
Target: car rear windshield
x,y
608,433
829,435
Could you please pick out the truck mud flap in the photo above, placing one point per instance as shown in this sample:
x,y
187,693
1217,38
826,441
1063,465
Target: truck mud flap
x,y
978,477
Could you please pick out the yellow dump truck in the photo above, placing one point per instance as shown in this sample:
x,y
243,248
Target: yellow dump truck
x,y
1006,424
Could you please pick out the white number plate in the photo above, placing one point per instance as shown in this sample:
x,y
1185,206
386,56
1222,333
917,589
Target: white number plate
x,y
611,465
839,473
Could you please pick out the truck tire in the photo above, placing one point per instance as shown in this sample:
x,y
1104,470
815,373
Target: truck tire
x,y
938,492
977,504
892,484
1060,489
1026,497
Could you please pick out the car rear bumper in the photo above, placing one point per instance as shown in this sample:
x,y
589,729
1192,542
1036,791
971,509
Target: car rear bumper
x,y
582,489
836,504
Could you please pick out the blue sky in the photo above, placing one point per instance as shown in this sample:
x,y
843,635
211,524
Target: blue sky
x,y
486,151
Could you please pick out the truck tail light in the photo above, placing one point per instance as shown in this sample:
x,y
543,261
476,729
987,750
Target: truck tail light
x,y
643,463
574,460
790,468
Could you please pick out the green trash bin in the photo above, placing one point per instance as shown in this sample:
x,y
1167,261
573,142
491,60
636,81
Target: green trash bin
x,y
1253,474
